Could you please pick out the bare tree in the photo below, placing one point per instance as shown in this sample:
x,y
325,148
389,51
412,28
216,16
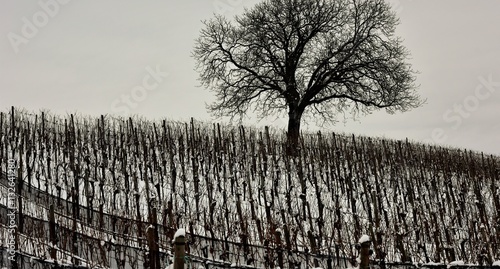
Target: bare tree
x,y
315,57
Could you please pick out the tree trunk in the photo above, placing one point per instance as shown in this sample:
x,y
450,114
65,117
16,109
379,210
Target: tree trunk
x,y
293,133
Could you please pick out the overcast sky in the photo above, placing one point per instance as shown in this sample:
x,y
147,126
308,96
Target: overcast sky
x,y
93,57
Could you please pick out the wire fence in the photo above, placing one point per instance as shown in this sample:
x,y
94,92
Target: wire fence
x,y
205,252
117,189
24,261
104,244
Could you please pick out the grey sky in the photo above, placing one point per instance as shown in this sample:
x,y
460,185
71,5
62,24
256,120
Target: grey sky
x,y
84,56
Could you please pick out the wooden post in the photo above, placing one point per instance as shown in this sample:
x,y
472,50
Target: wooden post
x,y
365,243
179,249
152,238
52,233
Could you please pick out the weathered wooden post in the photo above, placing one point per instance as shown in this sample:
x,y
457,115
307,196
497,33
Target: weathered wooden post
x,y
152,237
179,248
364,253
52,233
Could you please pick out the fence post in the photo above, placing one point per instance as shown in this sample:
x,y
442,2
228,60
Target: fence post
x,y
179,249
52,233
365,243
152,238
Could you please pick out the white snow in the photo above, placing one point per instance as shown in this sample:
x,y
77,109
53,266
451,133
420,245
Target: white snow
x,y
496,263
180,232
454,263
365,238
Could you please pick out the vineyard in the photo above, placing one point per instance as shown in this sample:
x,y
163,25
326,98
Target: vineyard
x,y
111,192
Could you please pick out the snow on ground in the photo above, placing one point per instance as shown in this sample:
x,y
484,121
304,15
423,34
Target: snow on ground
x,y
401,192
456,263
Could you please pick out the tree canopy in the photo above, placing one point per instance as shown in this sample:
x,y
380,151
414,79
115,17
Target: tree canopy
x,y
316,57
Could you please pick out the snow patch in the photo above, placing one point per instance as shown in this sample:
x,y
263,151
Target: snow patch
x,y
180,232
365,238
455,263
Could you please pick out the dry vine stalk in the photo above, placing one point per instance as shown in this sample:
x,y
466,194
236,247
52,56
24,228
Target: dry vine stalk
x,y
348,172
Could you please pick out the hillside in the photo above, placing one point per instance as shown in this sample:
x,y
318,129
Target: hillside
x,y
121,183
